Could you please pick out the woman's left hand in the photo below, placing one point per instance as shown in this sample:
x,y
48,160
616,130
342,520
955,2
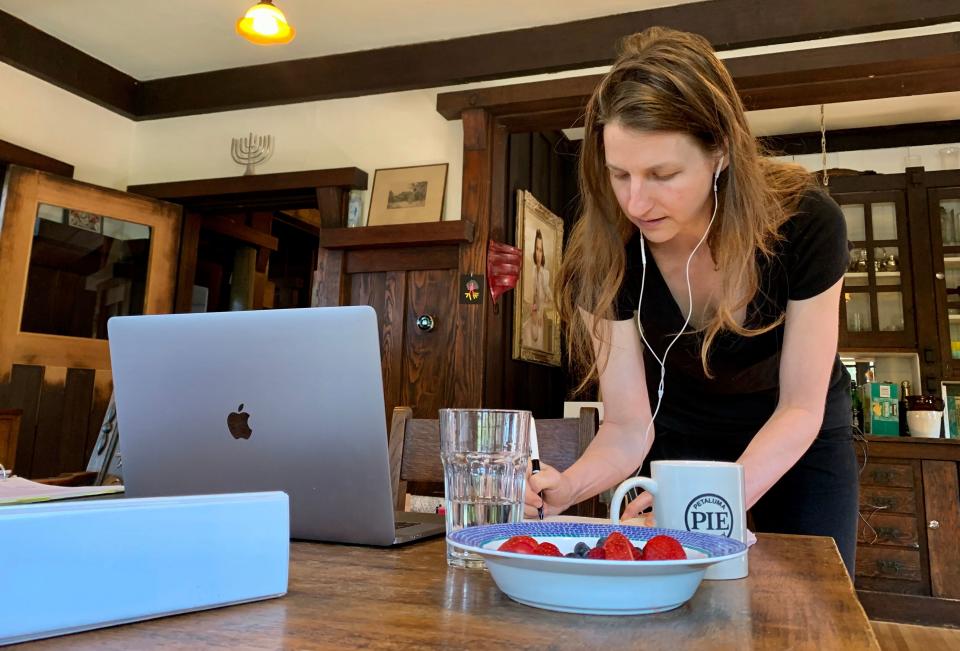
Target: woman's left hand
x,y
636,508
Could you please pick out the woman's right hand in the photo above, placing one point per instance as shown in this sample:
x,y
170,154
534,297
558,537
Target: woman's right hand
x,y
556,490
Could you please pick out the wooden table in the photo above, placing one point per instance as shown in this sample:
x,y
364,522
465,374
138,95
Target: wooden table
x,y
797,596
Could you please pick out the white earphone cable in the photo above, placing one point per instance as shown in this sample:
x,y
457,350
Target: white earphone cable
x,y
643,277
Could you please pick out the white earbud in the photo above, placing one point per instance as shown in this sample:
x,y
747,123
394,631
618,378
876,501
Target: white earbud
x,y
716,175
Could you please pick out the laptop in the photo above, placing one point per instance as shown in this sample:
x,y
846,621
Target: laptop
x,y
288,400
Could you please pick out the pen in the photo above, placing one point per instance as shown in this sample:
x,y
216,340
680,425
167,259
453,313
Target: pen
x,y
535,460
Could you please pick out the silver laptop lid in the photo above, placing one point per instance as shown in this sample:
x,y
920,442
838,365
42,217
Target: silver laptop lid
x,y
287,400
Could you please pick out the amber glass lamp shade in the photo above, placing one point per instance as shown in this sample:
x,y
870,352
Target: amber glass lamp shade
x,y
264,24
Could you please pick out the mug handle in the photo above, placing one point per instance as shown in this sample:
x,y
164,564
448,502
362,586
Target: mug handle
x,y
644,482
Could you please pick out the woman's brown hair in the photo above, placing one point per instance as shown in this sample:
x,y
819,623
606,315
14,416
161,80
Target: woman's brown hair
x,y
670,81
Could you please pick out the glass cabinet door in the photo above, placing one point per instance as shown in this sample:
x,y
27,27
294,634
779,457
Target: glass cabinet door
x,y
75,255
945,210
876,306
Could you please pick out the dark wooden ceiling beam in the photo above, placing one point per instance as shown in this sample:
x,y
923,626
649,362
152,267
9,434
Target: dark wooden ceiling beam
x,y
27,48
899,135
11,154
548,48
898,67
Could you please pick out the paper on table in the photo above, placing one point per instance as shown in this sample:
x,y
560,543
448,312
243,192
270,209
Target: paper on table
x,y
16,490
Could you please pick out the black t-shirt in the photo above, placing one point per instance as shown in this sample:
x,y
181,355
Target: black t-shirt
x,y
743,393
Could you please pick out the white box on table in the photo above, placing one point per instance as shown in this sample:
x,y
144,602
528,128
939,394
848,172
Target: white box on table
x,y
74,566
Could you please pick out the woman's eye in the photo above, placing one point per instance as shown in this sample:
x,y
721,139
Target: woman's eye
x,y
664,177
620,176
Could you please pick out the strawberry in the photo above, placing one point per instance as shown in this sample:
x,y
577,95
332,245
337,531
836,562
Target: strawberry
x,y
663,548
527,539
596,553
518,545
637,554
617,548
547,549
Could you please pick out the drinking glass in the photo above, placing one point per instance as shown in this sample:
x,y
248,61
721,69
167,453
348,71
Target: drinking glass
x,y
484,454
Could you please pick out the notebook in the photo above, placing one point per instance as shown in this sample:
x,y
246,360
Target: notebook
x,y
288,400
17,490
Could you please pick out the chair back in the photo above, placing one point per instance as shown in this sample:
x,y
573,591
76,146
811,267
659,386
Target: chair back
x,y
415,450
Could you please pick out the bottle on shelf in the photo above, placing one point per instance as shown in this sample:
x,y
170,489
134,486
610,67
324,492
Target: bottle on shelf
x,y
904,392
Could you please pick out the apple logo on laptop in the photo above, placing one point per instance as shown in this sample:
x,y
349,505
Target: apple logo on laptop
x,y
237,423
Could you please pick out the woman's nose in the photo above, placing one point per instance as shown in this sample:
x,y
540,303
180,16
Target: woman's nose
x,y
639,202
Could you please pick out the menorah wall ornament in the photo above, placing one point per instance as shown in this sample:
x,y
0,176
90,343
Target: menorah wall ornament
x,y
251,151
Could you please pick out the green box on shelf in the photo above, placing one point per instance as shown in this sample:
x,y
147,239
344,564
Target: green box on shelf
x,y
881,408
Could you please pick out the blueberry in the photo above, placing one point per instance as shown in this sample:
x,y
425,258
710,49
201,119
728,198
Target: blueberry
x,y
571,555
601,541
581,549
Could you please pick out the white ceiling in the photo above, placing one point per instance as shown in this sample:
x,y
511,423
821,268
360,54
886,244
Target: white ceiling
x,y
148,39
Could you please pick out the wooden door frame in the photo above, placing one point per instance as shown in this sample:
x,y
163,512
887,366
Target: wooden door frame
x,y
24,189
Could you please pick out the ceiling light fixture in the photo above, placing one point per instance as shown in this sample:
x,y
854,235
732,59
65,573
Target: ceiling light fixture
x,y
264,24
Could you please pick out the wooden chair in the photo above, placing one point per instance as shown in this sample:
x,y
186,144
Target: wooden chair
x,y
415,451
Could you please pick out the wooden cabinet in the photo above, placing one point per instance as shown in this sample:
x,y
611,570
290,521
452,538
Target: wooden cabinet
x,y
943,207
404,272
908,537
877,306
913,306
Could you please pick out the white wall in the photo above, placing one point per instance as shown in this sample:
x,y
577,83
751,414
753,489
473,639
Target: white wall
x,y
378,131
53,122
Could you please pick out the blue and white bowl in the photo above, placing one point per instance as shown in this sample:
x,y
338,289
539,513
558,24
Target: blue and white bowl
x,y
595,587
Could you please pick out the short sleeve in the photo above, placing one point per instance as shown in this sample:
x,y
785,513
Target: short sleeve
x,y
817,253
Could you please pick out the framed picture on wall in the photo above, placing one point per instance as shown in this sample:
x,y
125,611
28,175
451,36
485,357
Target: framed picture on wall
x,y
88,221
536,322
407,195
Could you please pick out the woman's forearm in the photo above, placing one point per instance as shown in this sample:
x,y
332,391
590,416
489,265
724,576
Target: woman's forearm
x,y
615,453
775,449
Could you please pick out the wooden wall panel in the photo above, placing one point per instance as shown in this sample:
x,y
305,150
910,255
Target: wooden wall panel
x,y
23,392
540,169
46,451
497,335
329,288
393,333
75,424
428,371
62,412
385,293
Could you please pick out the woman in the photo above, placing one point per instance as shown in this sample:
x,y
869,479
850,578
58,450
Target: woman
x,y
731,265
533,331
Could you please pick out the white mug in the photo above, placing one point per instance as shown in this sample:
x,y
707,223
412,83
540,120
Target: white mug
x,y
703,496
